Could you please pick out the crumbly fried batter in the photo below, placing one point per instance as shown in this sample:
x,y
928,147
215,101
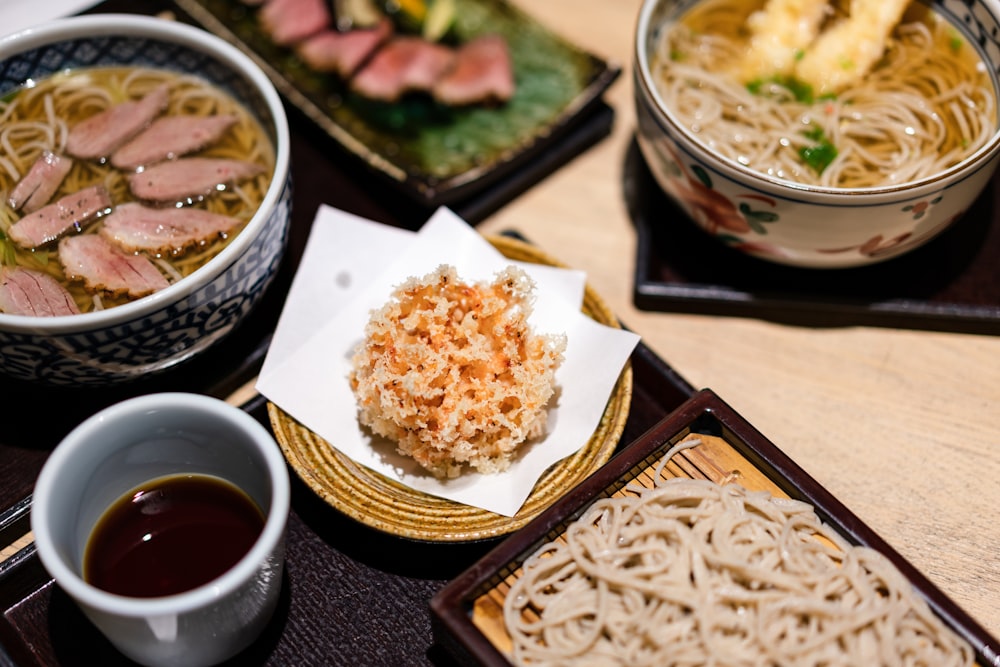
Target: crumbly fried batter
x,y
453,373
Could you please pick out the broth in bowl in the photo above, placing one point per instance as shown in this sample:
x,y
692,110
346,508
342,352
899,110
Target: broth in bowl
x,y
819,134
742,81
37,123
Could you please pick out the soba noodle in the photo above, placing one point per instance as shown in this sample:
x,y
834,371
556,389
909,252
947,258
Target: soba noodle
x,y
37,118
693,573
926,106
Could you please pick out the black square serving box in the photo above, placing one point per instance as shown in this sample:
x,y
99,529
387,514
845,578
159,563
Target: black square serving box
x,y
467,614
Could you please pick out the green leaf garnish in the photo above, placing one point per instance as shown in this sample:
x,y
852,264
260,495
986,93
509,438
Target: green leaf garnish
x,y
814,133
818,156
955,41
8,254
800,90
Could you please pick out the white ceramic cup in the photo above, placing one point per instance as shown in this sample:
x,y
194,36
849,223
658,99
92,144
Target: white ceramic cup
x,y
130,443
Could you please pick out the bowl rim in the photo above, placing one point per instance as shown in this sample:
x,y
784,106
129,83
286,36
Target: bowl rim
x,y
645,86
197,39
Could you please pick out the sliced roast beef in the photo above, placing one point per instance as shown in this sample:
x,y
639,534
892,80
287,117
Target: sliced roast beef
x,y
28,292
403,64
71,212
164,231
342,53
169,137
105,268
482,73
189,178
36,188
291,21
98,136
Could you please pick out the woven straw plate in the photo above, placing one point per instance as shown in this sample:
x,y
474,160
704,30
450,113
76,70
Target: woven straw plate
x,y
395,508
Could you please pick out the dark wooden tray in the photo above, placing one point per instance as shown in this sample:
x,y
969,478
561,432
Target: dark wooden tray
x,y
467,614
351,594
951,284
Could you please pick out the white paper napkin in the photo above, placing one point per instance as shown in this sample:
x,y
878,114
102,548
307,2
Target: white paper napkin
x,y
16,15
351,266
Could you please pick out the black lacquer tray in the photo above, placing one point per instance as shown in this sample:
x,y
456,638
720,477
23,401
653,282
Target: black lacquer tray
x,y
468,613
351,595
951,284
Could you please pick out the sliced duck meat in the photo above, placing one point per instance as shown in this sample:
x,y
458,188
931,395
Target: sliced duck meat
x,y
291,21
483,73
28,292
169,137
164,231
189,178
403,64
71,212
97,137
342,53
41,182
105,268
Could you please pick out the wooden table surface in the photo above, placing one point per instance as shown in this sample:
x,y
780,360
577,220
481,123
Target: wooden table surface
x,y
902,426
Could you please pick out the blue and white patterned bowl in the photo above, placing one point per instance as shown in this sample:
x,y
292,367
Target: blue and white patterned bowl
x,y
184,319
800,225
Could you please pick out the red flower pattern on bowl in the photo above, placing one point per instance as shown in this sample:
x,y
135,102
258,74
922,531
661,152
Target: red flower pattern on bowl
x,y
791,223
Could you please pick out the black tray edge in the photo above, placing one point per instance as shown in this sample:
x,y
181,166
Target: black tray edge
x,y
447,193
450,608
707,299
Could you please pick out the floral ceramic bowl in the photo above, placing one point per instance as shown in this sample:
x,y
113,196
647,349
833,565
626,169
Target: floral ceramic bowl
x,y
804,225
185,318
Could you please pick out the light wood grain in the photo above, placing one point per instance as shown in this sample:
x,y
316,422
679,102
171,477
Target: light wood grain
x,y
902,426
11,549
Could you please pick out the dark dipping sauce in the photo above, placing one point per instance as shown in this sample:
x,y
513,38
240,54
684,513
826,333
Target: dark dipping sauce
x,y
171,534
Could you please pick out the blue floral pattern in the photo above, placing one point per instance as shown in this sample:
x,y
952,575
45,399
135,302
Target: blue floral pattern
x,y
163,338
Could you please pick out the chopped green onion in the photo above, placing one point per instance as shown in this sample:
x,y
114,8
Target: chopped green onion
x,y
955,43
818,156
7,251
802,91
814,133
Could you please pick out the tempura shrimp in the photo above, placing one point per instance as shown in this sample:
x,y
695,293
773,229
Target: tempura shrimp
x,y
779,34
792,38
847,50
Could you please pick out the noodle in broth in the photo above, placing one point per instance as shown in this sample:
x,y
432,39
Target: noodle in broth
x,y
691,573
927,105
37,118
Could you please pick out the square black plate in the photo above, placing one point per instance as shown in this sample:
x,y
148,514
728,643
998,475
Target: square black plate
x,y
464,611
434,154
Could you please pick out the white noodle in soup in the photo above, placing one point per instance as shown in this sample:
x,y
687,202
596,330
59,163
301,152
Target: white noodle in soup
x,y
927,104
691,573
37,118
